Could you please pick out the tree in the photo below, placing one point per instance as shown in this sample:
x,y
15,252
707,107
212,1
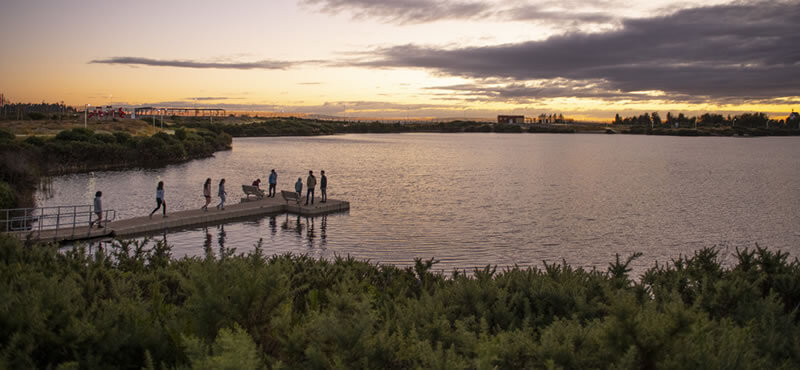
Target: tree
x,y
752,120
656,119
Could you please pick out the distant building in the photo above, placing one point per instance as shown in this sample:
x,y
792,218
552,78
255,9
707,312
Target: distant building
x,y
510,119
793,116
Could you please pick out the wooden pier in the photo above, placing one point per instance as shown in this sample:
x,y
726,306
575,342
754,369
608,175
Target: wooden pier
x,y
144,224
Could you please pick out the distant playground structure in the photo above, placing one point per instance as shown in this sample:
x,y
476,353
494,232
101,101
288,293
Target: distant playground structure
x,y
182,112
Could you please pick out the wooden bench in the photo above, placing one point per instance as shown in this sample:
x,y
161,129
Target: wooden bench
x,y
290,195
252,190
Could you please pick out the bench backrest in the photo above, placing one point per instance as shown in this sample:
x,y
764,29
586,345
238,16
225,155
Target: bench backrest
x,y
251,189
289,195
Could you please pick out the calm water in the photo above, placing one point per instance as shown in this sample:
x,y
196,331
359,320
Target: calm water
x,y
476,199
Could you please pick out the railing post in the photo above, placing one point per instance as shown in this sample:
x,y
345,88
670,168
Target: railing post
x,y
89,223
58,219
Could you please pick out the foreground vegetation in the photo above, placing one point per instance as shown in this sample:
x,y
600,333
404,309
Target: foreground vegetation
x,y
23,162
133,306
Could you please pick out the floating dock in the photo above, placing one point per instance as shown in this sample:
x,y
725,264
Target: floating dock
x,y
144,224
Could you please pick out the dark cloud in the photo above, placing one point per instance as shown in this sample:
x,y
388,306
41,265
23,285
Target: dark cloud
x,y
403,11
263,64
563,14
567,14
525,93
745,51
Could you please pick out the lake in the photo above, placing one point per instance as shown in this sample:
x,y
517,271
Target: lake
x,y
470,200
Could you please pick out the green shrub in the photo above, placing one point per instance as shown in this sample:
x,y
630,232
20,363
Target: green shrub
x,y
133,305
6,135
34,141
7,196
36,116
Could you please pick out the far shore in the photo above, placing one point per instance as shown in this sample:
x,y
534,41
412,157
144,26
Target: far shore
x,y
246,126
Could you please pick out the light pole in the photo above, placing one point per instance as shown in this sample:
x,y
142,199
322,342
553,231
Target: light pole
x,y
85,114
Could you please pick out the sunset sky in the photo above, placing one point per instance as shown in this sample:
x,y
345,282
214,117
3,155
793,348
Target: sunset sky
x,y
407,58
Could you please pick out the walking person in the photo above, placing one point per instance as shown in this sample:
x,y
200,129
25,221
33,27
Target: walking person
x,y
323,186
160,203
222,193
206,194
311,183
98,210
273,183
298,187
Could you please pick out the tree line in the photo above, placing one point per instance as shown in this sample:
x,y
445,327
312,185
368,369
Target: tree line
x,y
748,120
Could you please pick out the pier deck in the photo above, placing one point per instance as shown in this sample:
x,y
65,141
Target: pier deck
x,y
145,224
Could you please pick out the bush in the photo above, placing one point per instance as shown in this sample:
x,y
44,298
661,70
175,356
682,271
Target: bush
x,y
6,135
34,141
133,305
7,196
36,116
76,134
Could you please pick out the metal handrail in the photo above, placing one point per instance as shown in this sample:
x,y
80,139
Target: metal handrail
x,y
57,218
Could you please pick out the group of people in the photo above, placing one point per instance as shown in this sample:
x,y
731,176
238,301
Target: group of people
x,y
273,183
311,184
221,193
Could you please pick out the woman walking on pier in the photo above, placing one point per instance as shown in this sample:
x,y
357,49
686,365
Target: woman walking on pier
x,y
160,200
207,193
222,193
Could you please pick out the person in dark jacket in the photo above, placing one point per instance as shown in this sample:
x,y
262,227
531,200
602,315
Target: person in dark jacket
x,y
323,186
311,183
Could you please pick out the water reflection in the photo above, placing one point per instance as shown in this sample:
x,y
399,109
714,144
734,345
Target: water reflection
x,y
324,232
472,200
221,238
310,232
215,239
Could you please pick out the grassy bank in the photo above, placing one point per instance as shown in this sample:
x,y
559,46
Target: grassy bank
x,y
291,126
51,127
24,161
134,306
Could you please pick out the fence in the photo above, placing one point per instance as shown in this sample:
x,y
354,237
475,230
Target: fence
x,y
56,222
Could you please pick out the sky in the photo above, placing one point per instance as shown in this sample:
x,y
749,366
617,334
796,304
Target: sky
x,y
441,59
